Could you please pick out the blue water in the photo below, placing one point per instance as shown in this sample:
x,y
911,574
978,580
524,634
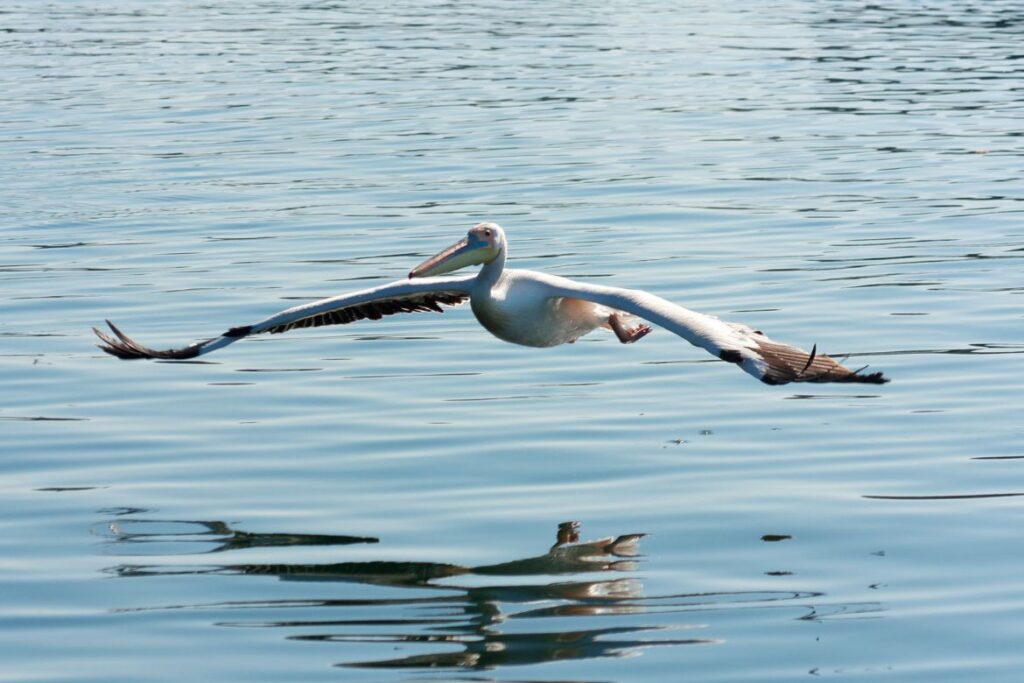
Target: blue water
x,y
381,501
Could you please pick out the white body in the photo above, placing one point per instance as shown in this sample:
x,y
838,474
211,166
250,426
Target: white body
x,y
522,307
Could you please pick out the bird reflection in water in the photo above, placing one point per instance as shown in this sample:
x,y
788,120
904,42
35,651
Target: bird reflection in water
x,y
207,537
431,606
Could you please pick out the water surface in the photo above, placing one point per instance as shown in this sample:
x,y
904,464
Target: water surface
x,y
383,501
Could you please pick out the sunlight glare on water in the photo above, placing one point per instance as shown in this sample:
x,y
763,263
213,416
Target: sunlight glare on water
x,y
412,499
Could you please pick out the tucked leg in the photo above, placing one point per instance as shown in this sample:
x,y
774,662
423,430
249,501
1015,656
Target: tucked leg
x,y
627,334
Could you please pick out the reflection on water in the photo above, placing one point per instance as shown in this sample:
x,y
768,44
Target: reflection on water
x,y
207,537
441,605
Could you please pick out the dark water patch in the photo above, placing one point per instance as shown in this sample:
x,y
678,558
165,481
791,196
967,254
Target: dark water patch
x,y
952,496
183,290
61,489
407,375
186,362
862,610
556,255
523,397
394,337
122,511
242,238
872,262
775,538
828,397
32,334
278,369
998,457
353,278
680,362
48,268
978,349
384,258
42,418
906,283
66,245
884,241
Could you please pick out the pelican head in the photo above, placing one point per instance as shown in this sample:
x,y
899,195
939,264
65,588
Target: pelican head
x,y
482,244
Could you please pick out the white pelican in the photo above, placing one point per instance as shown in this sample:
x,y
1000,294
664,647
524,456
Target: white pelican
x,y
529,308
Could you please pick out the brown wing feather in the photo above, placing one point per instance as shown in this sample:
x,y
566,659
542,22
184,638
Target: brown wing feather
x,y
790,364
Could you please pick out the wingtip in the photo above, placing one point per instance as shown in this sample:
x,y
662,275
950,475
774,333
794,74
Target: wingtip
x,y
870,378
782,362
122,347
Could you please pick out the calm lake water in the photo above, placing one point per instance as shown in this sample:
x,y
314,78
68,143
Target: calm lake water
x,y
381,501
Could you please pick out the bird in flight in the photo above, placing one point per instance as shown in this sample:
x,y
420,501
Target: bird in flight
x,y
529,308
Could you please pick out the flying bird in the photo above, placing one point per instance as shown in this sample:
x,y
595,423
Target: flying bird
x,y
528,308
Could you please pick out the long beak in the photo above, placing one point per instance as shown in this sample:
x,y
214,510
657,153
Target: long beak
x,y
461,254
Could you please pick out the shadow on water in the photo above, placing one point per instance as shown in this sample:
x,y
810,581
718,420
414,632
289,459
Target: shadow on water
x,y
434,607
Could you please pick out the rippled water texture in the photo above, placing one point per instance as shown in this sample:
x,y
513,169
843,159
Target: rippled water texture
x,y
411,499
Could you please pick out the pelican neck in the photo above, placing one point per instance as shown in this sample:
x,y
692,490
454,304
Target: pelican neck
x,y
492,271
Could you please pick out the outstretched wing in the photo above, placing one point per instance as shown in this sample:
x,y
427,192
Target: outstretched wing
x,y
403,296
770,361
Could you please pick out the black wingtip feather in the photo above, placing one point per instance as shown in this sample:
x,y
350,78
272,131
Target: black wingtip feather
x,y
810,359
126,348
873,378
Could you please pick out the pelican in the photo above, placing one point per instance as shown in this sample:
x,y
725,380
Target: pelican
x,y
528,308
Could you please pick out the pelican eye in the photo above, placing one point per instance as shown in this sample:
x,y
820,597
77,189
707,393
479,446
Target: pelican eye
x,y
487,232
